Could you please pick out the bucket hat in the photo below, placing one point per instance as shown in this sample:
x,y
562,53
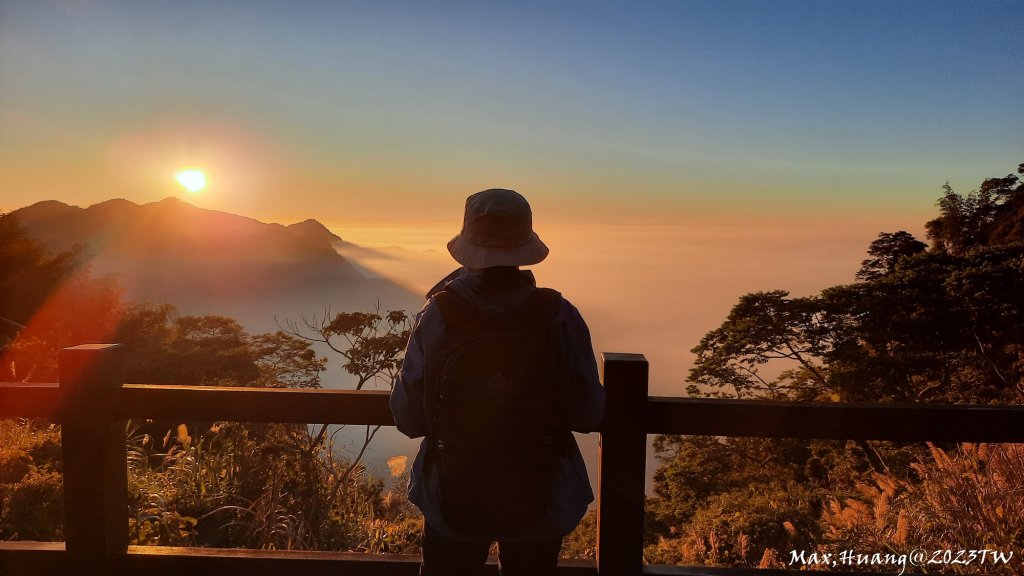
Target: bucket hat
x,y
497,230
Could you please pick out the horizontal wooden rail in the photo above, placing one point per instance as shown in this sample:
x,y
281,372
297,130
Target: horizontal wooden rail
x,y
22,400
663,415
48,559
843,421
254,404
164,401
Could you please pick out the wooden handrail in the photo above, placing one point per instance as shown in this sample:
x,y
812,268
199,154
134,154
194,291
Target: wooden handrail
x,y
902,422
91,404
663,415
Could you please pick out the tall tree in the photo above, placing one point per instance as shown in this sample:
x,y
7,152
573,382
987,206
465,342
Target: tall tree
x,y
887,252
47,302
991,215
371,343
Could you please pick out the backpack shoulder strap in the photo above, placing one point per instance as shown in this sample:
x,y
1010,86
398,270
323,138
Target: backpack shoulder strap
x,y
542,305
459,319
458,313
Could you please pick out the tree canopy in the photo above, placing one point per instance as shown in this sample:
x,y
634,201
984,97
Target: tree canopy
x,y
939,324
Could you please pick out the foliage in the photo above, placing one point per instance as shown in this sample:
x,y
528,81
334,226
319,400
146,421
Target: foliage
x,y
371,343
737,527
28,274
980,482
943,323
275,486
968,498
991,215
162,347
581,543
762,328
47,302
31,486
939,328
889,250
254,486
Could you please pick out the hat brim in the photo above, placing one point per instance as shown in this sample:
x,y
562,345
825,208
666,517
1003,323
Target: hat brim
x,y
473,256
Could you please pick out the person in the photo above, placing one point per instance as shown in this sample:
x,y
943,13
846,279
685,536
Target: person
x,y
497,238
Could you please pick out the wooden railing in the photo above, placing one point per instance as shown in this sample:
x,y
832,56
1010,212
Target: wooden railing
x,y
92,404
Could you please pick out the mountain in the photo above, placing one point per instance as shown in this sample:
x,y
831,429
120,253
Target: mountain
x,y
210,262
316,231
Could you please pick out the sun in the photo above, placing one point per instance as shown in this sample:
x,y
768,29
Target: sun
x,y
191,179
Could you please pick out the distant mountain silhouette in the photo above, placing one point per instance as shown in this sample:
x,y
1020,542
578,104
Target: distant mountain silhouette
x,y
210,262
314,230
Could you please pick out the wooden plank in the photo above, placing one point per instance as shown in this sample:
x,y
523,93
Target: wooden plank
x,y
94,459
170,561
22,558
29,558
843,421
29,400
173,561
255,404
620,510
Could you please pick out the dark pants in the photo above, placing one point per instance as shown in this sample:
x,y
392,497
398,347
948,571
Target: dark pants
x,y
443,556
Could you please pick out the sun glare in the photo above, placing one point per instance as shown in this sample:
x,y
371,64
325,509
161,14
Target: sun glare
x,y
191,180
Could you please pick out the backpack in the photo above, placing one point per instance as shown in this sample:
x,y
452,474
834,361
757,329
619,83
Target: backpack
x,y
495,435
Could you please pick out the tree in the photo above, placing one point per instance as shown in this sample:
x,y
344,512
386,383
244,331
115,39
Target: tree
x,y
47,303
372,344
992,215
764,328
28,273
888,251
165,348
1008,222
939,327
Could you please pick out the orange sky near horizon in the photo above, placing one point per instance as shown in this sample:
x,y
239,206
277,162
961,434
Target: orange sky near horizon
x,y
654,290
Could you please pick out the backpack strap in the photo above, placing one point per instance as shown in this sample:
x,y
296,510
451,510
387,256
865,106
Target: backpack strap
x,y
458,313
542,305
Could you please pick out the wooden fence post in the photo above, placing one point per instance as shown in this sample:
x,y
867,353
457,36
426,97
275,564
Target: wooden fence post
x,y
620,507
95,464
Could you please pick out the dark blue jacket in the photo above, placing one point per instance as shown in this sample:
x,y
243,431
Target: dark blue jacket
x,y
571,493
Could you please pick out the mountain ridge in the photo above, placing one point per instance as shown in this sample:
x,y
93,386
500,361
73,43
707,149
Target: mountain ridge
x,y
212,262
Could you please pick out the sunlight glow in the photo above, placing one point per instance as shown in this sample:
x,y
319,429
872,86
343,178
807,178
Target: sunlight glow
x,y
192,180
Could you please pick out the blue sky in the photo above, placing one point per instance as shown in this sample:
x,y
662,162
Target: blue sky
x,y
600,110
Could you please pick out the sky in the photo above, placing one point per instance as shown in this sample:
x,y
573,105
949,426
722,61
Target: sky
x,y
383,113
677,154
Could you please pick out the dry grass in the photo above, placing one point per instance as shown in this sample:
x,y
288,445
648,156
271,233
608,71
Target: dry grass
x,y
970,498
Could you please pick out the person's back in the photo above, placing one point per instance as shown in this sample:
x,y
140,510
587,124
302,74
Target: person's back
x,y
488,337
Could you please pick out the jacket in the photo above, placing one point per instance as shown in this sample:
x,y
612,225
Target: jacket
x,y
571,492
